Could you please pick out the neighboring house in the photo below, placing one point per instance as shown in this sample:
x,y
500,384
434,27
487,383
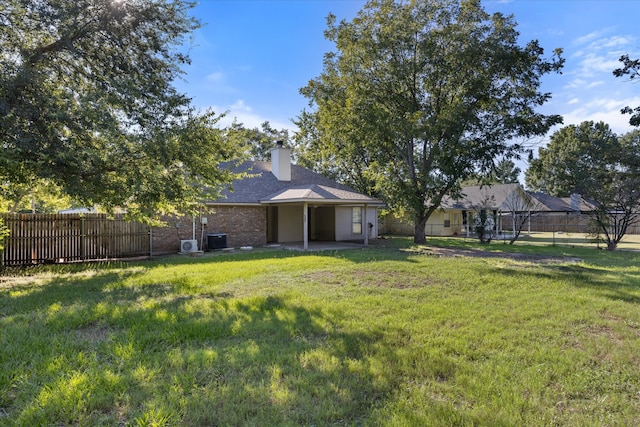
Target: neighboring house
x,y
277,202
569,214
77,211
455,217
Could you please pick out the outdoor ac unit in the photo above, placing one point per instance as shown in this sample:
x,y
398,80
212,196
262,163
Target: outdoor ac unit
x,y
187,246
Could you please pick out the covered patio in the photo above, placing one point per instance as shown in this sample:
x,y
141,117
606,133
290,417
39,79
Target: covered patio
x,y
312,217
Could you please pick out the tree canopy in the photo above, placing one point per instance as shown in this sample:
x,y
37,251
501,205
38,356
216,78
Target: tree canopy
x,y
591,160
574,157
417,95
87,102
503,171
39,196
256,143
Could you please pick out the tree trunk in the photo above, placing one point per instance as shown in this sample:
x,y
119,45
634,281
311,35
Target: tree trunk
x,y
419,236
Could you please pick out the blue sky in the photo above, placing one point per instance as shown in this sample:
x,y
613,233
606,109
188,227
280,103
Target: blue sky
x,y
252,56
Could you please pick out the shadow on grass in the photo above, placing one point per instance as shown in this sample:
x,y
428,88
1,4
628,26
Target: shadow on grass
x,y
81,352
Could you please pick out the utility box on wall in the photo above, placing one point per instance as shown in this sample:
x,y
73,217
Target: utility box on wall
x,y
216,241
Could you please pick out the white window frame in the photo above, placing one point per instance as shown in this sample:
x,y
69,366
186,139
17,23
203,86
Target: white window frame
x,y
356,220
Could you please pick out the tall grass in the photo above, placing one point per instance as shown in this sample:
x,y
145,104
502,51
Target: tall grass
x,y
386,336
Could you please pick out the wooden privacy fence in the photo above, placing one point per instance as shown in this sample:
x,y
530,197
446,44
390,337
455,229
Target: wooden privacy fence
x,y
61,238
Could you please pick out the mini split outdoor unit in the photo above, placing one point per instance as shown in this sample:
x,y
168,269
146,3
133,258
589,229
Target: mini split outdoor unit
x,y
187,246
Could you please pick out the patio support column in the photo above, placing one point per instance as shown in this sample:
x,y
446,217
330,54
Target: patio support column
x,y
305,225
365,225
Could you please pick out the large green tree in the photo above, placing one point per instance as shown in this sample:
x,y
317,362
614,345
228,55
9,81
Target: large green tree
x,y
506,172
614,189
574,154
256,143
421,93
345,160
503,171
38,196
87,102
591,160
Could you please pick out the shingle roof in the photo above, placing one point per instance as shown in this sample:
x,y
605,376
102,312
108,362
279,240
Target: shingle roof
x,y
316,192
495,197
488,196
561,204
261,186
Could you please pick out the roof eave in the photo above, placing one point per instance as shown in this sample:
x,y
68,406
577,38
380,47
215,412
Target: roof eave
x,y
353,202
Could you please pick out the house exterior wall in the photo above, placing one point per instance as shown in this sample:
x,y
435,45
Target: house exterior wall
x,y
247,226
372,217
243,225
290,227
440,223
435,225
344,225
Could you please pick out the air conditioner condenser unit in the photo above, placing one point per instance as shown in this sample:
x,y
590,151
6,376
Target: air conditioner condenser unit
x,y
188,246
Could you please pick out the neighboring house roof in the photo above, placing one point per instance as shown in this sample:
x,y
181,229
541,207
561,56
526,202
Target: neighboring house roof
x,y
77,211
501,197
486,196
260,186
575,203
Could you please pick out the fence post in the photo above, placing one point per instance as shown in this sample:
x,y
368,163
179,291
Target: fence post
x,y
83,237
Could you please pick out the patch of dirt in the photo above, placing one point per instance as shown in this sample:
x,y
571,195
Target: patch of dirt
x,y
94,333
366,278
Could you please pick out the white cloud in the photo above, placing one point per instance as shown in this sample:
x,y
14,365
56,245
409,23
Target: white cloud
x,y
617,42
595,84
573,101
587,38
218,82
603,109
592,68
600,56
216,77
245,114
577,83
592,63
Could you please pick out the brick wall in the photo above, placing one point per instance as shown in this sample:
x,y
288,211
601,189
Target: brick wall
x,y
243,225
389,224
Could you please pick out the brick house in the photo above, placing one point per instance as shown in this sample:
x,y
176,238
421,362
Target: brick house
x,y
277,202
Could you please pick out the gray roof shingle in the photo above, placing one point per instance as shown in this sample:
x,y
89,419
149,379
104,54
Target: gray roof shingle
x,y
261,186
488,196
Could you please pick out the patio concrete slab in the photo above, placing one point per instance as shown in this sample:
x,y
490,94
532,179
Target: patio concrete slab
x,y
318,246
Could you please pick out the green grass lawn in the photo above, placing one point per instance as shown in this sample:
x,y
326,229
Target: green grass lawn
x,y
383,336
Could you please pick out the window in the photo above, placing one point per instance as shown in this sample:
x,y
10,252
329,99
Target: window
x,y
356,220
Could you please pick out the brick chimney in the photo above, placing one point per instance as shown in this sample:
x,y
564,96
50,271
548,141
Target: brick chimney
x,y
281,162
